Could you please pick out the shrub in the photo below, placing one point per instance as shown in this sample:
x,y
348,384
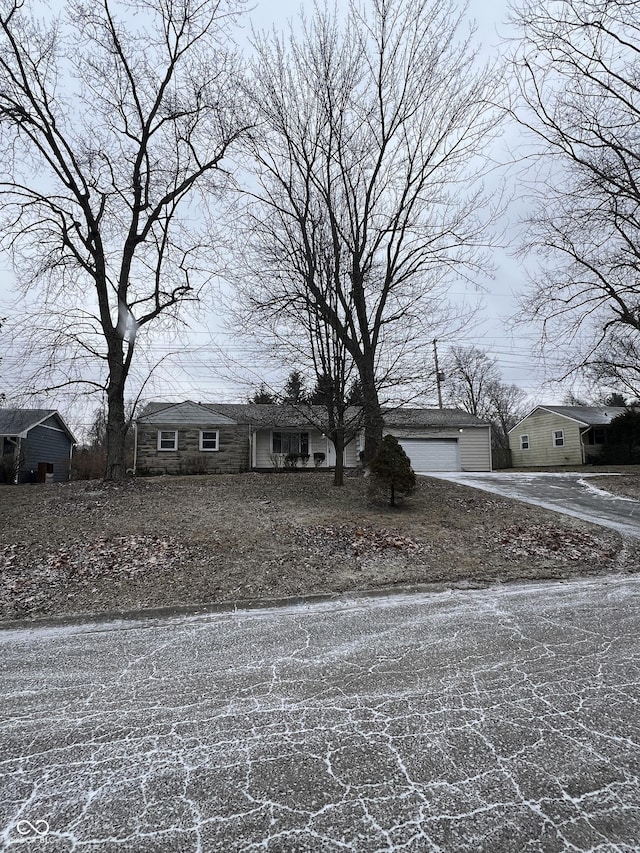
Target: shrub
x,y
392,469
9,465
623,439
291,461
88,463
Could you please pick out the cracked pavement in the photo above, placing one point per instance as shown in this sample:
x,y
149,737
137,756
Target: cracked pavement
x,y
503,719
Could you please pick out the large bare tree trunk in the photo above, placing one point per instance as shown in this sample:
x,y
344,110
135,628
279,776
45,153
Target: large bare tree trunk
x,y
116,436
373,420
116,420
338,443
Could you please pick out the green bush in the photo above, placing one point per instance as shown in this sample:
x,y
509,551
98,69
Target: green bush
x,y
392,470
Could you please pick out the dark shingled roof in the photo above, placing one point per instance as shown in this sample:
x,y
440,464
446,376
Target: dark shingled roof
x,y
431,418
16,421
589,415
284,415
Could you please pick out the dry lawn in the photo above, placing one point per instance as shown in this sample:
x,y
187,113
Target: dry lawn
x,y
89,547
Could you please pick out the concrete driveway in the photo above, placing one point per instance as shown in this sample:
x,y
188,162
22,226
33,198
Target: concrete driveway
x,y
571,494
497,720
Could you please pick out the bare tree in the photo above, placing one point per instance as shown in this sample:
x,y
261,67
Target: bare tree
x,y
470,376
616,365
114,124
577,68
474,383
507,408
303,336
334,370
365,195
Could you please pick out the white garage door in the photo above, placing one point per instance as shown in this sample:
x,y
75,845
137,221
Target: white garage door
x,y
432,454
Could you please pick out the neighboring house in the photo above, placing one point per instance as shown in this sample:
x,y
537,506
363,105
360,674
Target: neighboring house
x,y
193,437
36,446
561,435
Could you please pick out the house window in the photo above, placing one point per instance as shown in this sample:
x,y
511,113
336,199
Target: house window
x,y
209,439
558,438
290,442
596,435
167,439
524,442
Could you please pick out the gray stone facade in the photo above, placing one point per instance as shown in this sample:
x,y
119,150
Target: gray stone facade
x,y
232,455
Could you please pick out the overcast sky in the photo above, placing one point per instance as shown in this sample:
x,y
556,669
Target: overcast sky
x,y
199,378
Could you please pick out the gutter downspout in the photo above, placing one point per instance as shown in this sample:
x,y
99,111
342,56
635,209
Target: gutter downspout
x,y
253,449
19,454
582,447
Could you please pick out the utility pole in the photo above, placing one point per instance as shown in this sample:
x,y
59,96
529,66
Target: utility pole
x,y
439,376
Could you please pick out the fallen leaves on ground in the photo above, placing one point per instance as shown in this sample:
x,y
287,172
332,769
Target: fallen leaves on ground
x,y
546,541
160,542
359,540
119,558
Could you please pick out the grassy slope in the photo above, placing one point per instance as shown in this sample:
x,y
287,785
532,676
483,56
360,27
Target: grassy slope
x,y
89,547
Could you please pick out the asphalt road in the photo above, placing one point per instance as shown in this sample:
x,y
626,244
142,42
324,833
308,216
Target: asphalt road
x,y
503,719
571,494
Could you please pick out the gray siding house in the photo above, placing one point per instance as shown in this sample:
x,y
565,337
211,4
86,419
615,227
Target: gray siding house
x,y
203,438
561,435
36,446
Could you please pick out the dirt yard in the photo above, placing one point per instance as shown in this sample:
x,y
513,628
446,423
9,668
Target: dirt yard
x,y
89,547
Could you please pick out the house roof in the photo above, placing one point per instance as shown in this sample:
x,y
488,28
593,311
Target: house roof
x,y
270,415
431,418
584,415
18,422
186,412
267,415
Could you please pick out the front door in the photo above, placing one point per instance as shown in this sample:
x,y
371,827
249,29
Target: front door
x,y
331,455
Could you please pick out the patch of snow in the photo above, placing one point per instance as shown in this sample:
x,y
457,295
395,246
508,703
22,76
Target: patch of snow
x,y
604,493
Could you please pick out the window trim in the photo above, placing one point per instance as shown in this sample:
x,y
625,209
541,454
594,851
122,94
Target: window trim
x,y
525,444
166,432
202,439
558,437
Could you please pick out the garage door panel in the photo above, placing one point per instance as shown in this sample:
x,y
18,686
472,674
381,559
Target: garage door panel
x,y
432,454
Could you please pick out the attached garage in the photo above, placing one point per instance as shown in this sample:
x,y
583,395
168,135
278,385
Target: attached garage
x,y
432,454
441,439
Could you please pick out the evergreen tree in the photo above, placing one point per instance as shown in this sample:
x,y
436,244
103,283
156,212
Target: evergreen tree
x,y
262,395
614,399
624,437
295,389
392,469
